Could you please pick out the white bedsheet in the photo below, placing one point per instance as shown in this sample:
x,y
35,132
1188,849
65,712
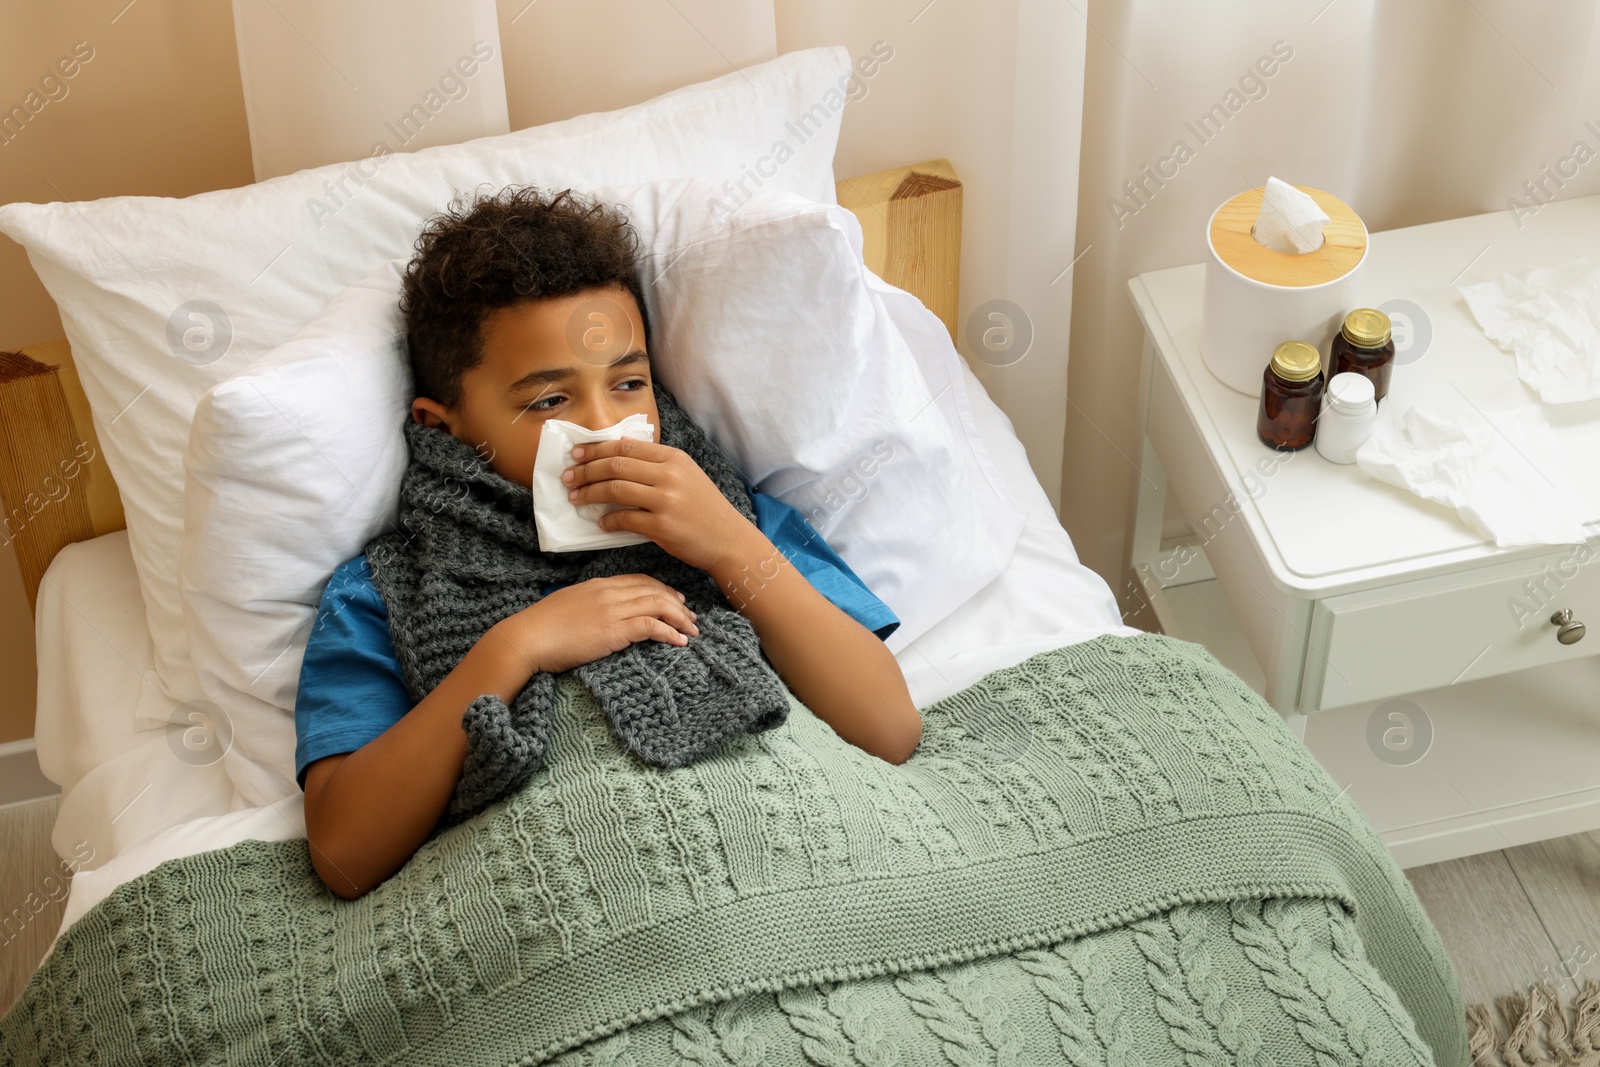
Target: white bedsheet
x,y
130,797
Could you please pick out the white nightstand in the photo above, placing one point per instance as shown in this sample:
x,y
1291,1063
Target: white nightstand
x,y
1378,618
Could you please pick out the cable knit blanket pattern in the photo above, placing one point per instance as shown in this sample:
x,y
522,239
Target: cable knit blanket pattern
x,y
1112,854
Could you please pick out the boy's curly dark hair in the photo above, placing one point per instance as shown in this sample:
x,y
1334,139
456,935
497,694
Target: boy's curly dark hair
x,y
498,251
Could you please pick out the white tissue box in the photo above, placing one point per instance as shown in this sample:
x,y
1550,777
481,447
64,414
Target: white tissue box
x,y
1257,298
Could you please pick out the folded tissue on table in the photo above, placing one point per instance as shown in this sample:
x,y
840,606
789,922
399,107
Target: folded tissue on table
x,y
1549,318
562,525
1289,220
1502,472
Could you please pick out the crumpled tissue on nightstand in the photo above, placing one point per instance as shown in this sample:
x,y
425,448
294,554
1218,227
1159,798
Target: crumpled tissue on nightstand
x,y
1549,318
1501,471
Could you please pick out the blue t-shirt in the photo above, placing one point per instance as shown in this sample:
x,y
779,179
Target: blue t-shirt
x,y
351,686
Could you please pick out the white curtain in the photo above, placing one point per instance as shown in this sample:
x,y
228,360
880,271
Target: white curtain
x,y
1411,111
571,57
327,83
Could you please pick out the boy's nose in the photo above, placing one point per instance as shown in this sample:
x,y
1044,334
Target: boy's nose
x,y
598,415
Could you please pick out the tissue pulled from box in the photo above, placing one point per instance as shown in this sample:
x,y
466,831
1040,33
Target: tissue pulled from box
x,y
1502,472
1289,220
562,525
1549,318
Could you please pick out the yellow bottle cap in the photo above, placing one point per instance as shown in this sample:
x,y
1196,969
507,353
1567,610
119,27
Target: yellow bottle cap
x,y
1296,361
1366,328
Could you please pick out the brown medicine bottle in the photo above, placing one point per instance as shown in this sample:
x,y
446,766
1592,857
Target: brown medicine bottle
x,y
1291,396
1365,345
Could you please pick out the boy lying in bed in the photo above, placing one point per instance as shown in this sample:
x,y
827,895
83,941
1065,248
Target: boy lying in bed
x,y
489,301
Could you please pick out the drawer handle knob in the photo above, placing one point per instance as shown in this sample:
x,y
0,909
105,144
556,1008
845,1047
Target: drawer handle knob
x,y
1570,631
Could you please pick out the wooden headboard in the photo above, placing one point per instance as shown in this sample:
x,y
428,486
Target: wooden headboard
x,y
911,231
55,486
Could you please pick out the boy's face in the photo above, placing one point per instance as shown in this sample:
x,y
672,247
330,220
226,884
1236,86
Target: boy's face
x,y
578,358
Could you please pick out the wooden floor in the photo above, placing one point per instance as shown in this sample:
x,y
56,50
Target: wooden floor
x,y
32,892
1519,916
1508,919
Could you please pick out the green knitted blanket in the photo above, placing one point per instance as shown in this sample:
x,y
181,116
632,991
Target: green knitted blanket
x,y
1112,854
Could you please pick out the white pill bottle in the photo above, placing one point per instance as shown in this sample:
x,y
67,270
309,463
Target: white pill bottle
x,y
1349,407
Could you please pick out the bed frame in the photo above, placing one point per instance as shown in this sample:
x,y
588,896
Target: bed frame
x,y
56,488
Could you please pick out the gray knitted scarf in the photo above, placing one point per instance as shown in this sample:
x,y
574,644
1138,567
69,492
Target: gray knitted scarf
x,y
468,556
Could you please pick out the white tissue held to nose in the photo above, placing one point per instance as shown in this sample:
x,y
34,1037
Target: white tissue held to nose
x,y
562,525
1289,220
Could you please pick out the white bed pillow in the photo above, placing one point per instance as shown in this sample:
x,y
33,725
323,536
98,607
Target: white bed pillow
x,y
292,466
776,340
162,298
765,326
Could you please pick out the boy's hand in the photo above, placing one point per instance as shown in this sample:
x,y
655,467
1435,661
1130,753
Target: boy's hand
x,y
678,506
581,623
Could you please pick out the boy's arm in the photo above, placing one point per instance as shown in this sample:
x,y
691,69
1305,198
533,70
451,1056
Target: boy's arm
x,y
369,810
835,666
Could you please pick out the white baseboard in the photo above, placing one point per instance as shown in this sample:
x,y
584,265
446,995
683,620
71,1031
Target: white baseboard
x,y
20,777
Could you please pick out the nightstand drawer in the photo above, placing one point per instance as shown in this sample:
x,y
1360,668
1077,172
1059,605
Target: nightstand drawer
x,y
1438,631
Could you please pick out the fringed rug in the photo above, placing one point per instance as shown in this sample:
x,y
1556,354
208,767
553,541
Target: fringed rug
x,y
1537,1029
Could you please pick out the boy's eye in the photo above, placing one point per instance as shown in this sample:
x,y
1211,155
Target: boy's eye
x,y
550,403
